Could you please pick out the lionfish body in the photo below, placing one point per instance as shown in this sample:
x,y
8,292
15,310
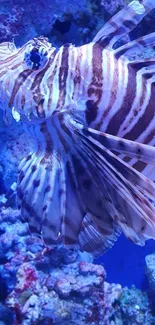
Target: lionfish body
x,y
91,111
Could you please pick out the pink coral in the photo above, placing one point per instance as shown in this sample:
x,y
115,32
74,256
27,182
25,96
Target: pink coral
x,y
26,277
75,293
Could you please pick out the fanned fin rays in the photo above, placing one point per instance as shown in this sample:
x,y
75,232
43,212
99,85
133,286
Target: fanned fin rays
x,y
94,241
75,189
84,194
123,22
136,46
129,148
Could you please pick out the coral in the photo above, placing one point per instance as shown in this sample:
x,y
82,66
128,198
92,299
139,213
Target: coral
x,y
64,295
6,316
14,146
10,21
50,285
133,308
150,270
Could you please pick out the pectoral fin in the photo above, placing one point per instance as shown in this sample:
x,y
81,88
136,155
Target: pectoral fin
x,y
82,194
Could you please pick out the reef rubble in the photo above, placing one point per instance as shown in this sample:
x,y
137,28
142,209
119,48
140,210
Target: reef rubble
x,y
43,286
14,147
150,270
40,285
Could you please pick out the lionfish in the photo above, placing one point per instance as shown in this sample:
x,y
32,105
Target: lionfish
x,y
91,111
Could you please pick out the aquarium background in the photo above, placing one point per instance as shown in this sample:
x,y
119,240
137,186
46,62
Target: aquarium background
x,y
125,263
62,22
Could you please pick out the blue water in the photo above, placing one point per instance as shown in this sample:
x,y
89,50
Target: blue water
x,y
125,262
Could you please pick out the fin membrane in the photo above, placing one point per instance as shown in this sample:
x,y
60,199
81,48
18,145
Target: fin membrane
x,y
82,194
123,186
136,47
133,149
123,22
94,241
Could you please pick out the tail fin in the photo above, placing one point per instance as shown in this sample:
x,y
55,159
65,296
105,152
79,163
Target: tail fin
x,y
82,193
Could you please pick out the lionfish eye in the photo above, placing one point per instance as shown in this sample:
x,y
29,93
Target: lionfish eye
x,y
36,58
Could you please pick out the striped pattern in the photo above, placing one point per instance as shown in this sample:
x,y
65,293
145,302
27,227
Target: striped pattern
x,y
123,22
73,188
130,111
55,185
41,93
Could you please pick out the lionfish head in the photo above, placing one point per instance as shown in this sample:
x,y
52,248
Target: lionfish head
x,y
21,74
